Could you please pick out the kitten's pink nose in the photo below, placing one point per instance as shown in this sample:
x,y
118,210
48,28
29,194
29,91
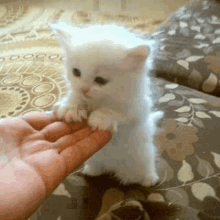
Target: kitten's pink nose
x,y
84,91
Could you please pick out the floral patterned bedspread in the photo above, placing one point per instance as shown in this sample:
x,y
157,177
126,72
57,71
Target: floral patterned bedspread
x,y
188,142
189,51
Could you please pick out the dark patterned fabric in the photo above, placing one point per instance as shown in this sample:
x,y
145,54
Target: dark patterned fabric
x,y
148,210
189,51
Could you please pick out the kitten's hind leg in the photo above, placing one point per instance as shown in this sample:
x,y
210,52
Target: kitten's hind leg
x,y
128,176
92,169
140,168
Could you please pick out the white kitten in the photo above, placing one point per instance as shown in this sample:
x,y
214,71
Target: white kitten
x,y
106,73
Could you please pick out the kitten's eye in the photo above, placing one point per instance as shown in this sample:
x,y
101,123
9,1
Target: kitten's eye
x,y
76,72
100,80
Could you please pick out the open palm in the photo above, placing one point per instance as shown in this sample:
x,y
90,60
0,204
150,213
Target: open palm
x,y
36,153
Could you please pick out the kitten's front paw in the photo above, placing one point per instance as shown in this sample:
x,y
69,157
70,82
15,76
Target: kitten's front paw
x,y
150,180
69,113
102,121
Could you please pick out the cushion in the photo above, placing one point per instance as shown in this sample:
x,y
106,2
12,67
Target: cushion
x,y
188,145
189,47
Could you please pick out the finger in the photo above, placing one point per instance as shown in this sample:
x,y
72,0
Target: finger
x,y
39,120
56,130
72,139
75,155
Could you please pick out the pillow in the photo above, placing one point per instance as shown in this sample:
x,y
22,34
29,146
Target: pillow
x,y
189,47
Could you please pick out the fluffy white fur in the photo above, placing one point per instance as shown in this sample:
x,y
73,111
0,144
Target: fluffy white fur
x,y
124,104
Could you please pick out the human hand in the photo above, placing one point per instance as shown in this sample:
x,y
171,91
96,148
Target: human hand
x,y
36,153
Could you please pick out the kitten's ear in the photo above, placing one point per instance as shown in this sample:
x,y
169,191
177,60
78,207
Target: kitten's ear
x,y
63,33
136,57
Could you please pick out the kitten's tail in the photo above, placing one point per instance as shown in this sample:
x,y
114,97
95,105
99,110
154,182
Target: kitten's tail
x,y
156,116
153,121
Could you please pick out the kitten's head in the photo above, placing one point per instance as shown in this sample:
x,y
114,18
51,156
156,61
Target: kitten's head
x,y
102,68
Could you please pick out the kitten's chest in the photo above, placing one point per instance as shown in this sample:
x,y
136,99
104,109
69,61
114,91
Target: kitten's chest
x,y
98,104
